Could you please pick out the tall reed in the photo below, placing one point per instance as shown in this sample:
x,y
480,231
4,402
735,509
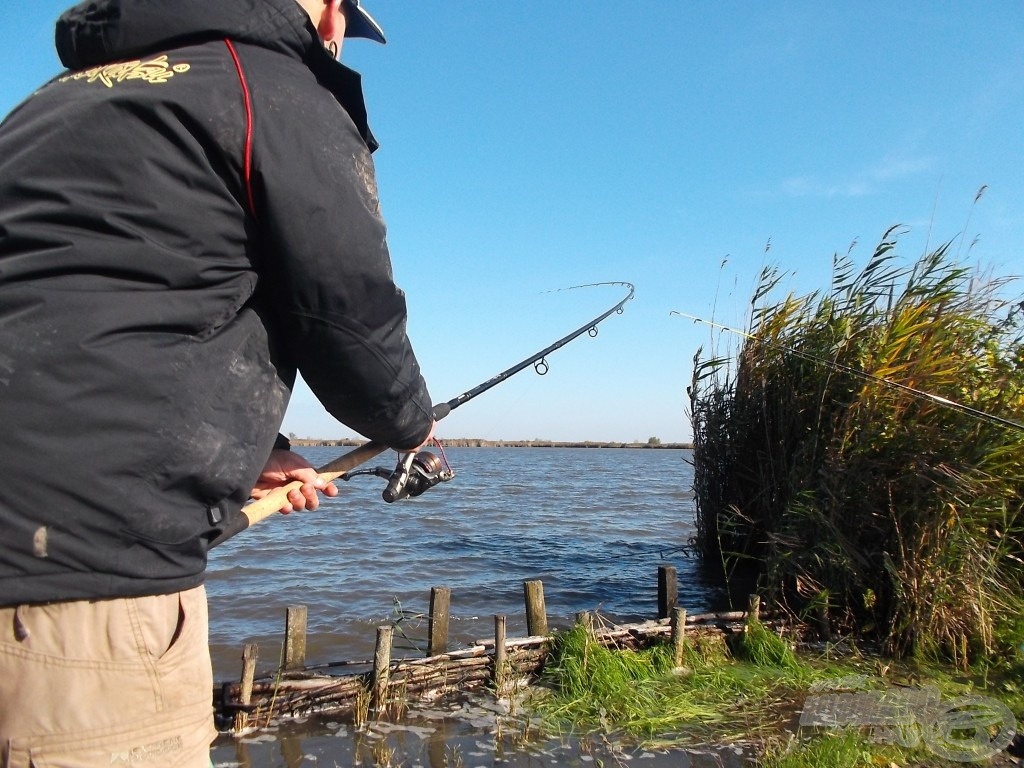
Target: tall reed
x,y
860,452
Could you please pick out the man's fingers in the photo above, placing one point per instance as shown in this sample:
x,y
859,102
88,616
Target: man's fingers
x,y
307,497
310,497
304,498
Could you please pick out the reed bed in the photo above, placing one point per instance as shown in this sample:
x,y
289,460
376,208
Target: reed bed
x,y
863,454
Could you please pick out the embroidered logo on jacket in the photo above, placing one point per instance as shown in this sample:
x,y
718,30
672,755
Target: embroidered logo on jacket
x,y
154,71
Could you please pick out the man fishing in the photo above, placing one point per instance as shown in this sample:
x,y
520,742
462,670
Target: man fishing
x,y
188,217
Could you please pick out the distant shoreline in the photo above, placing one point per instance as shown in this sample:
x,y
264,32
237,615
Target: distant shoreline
x,y
477,443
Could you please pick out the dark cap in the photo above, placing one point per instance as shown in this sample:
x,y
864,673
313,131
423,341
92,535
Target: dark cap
x,y
358,23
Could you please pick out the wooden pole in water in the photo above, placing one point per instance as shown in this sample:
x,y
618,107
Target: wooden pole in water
x,y
500,654
536,613
381,668
437,632
295,637
249,653
668,591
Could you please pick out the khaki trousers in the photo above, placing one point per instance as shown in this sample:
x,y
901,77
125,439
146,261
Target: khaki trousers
x,y
124,682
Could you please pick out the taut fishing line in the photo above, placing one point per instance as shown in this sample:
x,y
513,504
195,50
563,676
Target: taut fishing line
x,y
920,393
416,472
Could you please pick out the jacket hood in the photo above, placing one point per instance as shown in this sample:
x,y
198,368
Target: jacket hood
x,y
97,32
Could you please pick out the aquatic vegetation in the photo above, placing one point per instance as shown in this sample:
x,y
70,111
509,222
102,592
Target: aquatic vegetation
x,y
641,694
751,688
833,749
863,455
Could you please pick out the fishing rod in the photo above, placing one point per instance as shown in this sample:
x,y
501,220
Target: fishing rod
x,y
920,393
415,471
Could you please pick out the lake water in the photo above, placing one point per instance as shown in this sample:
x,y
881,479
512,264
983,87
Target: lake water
x,y
593,525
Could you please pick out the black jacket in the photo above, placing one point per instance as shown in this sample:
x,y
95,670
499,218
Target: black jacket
x,y
187,216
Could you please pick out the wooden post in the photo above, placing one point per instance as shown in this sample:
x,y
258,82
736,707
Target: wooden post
x,y
536,613
381,668
295,637
754,608
500,654
437,632
586,618
668,591
821,614
249,653
678,635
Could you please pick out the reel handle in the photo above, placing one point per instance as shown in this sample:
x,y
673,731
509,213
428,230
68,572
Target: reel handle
x,y
399,479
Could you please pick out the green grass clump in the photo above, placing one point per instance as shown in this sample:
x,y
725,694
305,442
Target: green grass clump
x,y
833,749
631,691
711,696
863,454
745,688
762,647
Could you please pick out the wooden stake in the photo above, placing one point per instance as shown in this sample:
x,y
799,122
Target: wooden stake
x,y
500,654
586,618
249,653
381,668
668,590
678,635
821,614
536,613
437,632
295,637
754,608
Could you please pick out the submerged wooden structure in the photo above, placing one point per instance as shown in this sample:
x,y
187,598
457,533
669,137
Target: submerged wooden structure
x,y
382,687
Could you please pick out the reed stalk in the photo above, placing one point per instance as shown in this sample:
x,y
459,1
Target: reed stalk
x,y
861,453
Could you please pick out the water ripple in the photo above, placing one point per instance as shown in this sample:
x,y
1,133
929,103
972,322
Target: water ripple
x,y
592,524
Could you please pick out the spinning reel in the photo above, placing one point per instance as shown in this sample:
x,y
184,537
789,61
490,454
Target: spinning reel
x,y
415,473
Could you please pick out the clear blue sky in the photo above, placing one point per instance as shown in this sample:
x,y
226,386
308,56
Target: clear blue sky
x,y
530,146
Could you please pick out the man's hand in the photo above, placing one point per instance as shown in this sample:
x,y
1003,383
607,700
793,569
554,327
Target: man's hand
x,y
284,467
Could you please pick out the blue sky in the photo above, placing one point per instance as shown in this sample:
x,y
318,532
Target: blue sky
x,y
681,146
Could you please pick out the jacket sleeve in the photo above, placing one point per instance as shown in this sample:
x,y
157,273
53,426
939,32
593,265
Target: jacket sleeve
x,y
325,263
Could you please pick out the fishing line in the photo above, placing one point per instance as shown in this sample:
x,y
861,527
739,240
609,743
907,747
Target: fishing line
x,y
644,554
920,393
